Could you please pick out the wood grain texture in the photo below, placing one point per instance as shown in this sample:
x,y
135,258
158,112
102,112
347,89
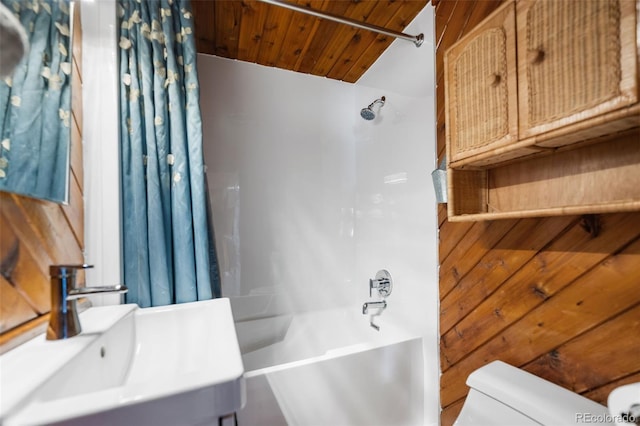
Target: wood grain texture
x,y
590,301
568,257
554,297
204,18
341,38
227,17
23,270
35,234
444,11
600,394
253,19
476,243
365,45
300,31
519,245
450,413
593,178
77,167
603,173
564,365
14,308
269,35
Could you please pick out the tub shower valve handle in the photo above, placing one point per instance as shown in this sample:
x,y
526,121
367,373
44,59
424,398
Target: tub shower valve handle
x,y
382,282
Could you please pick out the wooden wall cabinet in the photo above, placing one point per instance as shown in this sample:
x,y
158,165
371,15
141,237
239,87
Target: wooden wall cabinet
x,y
542,111
482,89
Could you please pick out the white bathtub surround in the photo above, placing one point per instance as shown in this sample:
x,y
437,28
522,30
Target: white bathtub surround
x,y
380,386
280,158
331,368
315,334
310,200
396,211
396,225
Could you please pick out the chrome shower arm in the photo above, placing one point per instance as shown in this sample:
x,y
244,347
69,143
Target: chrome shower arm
x,y
377,101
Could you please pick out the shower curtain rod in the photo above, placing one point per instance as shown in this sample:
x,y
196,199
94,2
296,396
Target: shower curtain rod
x,y
417,40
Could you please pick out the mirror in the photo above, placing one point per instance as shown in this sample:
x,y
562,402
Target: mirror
x,y
35,103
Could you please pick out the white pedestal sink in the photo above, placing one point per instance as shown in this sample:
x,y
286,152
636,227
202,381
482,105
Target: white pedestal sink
x,y
178,364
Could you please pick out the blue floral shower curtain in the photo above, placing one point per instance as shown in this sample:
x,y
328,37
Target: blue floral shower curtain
x,y
167,255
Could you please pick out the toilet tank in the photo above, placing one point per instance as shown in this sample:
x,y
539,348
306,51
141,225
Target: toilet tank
x,y
501,394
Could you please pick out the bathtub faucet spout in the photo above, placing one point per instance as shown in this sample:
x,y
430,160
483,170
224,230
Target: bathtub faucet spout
x,y
375,305
375,326
380,306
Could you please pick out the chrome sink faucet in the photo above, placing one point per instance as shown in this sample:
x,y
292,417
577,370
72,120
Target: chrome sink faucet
x,y
63,319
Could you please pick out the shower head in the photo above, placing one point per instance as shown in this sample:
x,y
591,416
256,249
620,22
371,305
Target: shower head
x,y
367,113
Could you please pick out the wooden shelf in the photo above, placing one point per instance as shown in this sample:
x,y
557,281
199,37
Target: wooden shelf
x,y
555,131
594,178
576,133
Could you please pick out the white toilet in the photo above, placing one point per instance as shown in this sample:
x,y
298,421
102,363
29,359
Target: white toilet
x,y
504,395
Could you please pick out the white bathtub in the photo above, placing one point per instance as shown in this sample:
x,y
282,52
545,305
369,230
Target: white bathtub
x,y
330,368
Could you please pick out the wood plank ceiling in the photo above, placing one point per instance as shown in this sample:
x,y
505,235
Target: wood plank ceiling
x,y
269,35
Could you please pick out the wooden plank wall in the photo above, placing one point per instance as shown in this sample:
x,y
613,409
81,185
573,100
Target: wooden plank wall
x,y
35,234
557,296
253,31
